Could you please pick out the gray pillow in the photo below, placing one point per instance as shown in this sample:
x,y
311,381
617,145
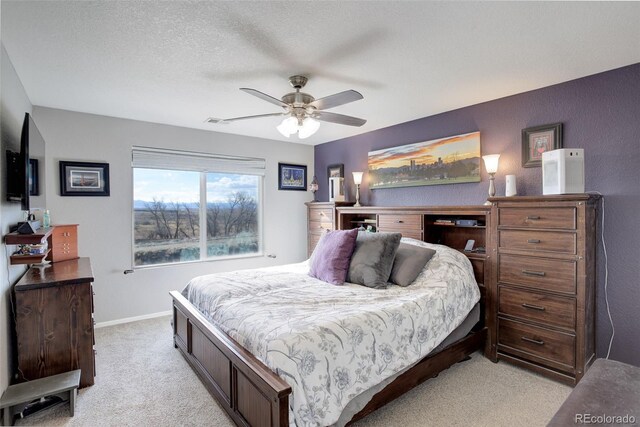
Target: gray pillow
x,y
372,259
409,262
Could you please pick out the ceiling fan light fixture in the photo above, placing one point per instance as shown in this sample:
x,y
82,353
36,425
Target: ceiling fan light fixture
x,y
303,113
308,128
288,126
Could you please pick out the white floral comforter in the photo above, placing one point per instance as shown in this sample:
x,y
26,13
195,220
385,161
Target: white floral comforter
x,y
330,343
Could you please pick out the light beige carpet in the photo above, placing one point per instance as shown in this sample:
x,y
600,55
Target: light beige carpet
x,y
143,381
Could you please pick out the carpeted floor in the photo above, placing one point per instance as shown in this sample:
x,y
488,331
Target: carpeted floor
x,y
143,381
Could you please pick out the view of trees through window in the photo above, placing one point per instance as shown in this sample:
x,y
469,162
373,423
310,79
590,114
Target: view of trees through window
x,y
167,215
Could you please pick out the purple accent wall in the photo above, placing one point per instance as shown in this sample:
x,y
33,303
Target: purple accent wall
x,y
600,113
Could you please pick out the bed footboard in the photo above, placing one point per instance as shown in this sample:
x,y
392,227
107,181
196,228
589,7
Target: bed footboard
x,y
247,389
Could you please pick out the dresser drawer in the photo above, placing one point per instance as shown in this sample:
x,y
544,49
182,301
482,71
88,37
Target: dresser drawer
x,y
313,239
538,273
400,222
546,241
319,227
557,218
64,251
64,233
534,342
551,310
321,215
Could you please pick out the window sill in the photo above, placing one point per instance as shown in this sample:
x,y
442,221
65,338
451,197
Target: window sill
x,y
200,261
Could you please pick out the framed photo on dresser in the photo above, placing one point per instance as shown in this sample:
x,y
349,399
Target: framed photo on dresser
x,y
335,171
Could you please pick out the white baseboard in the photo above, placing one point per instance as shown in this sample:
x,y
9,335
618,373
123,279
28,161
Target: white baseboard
x,y
132,319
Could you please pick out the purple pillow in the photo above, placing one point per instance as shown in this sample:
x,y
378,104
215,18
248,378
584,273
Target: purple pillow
x,y
331,257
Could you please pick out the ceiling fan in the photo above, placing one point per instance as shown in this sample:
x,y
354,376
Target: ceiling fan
x,y
303,112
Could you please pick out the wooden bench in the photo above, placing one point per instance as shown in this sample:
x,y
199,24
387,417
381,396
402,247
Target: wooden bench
x,y
19,395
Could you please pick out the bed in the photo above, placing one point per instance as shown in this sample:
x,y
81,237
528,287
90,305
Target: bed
x,y
277,347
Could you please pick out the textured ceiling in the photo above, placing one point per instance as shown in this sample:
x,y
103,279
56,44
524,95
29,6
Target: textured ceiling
x,y
181,62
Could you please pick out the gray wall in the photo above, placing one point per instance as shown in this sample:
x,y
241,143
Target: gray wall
x,y
105,231
13,104
601,113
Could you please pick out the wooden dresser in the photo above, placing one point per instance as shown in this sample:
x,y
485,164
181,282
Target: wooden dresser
x,y
321,216
544,283
54,321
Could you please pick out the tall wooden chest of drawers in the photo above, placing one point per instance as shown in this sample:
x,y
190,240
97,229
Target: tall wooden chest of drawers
x,y
54,321
321,216
543,283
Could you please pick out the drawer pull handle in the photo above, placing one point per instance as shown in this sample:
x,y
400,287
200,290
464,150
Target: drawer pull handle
x,y
533,307
533,217
399,221
534,273
533,241
531,340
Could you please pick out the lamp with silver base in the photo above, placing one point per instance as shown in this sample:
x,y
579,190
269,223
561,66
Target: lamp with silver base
x,y
357,180
314,187
491,165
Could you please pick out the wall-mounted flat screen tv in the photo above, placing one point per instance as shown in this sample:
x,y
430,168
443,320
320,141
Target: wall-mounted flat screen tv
x,y
18,165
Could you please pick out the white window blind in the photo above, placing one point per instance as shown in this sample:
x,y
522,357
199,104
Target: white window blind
x,y
158,158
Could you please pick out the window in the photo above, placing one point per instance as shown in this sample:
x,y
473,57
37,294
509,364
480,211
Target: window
x,y
186,210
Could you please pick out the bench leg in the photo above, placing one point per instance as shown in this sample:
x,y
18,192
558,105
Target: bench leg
x,y
7,418
72,401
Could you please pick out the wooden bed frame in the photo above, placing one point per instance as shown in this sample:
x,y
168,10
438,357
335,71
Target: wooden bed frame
x,y
254,395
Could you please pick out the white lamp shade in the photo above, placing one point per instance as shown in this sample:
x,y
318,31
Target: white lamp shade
x,y
357,177
288,126
308,128
491,162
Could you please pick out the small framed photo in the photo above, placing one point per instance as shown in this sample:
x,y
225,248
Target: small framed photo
x,y
292,177
335,171
84,179
537,140
34,182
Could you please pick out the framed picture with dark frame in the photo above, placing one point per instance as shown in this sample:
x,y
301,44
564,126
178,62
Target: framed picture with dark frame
x,y
292,177
34,178
335,171
536,140
84,179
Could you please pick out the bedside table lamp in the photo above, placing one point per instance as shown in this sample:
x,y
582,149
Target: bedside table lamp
x,y
357,180
314,187
491,165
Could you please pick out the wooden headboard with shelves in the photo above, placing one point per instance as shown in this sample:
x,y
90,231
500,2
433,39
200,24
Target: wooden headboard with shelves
x,y
432,224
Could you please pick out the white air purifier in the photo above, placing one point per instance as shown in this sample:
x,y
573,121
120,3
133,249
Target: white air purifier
x,y
336,189
563,171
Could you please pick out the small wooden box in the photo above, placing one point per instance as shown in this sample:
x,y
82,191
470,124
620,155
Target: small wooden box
x,y
63,243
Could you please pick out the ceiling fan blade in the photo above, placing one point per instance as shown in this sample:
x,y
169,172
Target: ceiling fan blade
x,y
341,119
336,99
264,97
223,121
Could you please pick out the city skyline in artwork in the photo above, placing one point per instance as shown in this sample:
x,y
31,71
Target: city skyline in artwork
x,y
450,160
